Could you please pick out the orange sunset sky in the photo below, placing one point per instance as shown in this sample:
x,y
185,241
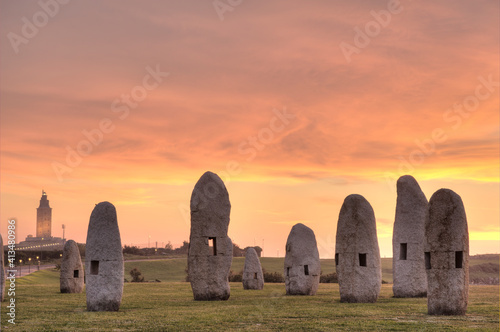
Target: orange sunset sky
x,y
294,104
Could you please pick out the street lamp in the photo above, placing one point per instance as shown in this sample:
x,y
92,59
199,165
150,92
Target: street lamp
x,y
29,266
20,267
37,258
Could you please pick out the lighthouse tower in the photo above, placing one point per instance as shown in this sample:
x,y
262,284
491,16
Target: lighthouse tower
x,y
44,218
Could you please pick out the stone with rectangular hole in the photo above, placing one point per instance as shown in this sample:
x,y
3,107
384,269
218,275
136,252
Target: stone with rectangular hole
x,y
104,260
253,278
210,249
71,278
408,238
357,255
302,265
446,254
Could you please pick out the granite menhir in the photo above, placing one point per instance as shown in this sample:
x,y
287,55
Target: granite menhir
x,y
253,278
357,255
104,260
447,255
408,238
302,266
210,249
71,278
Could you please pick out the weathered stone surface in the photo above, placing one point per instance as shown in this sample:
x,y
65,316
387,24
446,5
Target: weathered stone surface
x,y
253,278
447,255
302,266
104,260
71,278
408,265
357,255
2,272
210,249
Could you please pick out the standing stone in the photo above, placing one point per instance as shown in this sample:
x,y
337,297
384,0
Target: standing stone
x,y
408,238
2,272
357,255
253,278
302,266
210,249
104,260
71,278
447,255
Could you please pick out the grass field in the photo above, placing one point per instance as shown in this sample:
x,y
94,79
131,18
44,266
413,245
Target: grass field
x,y
173,269
170,306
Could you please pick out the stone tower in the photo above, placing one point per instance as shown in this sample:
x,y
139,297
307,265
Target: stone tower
x,y
44,218
210,249
302,265
104,260
446,252
408,239
357,255
253,278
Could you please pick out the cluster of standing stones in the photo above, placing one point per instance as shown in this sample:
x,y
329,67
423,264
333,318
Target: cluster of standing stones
x,y
430,249
103,262
430,252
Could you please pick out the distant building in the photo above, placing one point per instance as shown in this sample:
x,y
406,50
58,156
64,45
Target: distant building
x,y
44,217
44,239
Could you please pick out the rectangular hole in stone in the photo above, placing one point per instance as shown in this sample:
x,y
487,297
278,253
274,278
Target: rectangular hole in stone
x,y
287,271
362,259
306,270
76,273
403,247
94,267
336,259
459,258
255,275
428,260
212,242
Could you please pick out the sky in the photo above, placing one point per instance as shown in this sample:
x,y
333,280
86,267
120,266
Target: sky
x,y
294,105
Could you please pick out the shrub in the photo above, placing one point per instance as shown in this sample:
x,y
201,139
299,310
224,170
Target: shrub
x,y
328,278
136,275
274,277
235,277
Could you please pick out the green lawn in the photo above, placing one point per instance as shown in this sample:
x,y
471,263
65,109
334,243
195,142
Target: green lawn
x,y
170,306
173,269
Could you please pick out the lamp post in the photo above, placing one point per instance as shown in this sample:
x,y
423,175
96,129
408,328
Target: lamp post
x,y
29,266
20,267
38,259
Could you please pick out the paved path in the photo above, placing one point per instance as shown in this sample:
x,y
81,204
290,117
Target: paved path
x,y
24,270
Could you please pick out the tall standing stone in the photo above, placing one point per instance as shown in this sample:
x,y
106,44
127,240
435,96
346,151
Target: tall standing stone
x,y
210,249
71,277
447,255
302,265
408,238
253,278
104,260
2,272
357,255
